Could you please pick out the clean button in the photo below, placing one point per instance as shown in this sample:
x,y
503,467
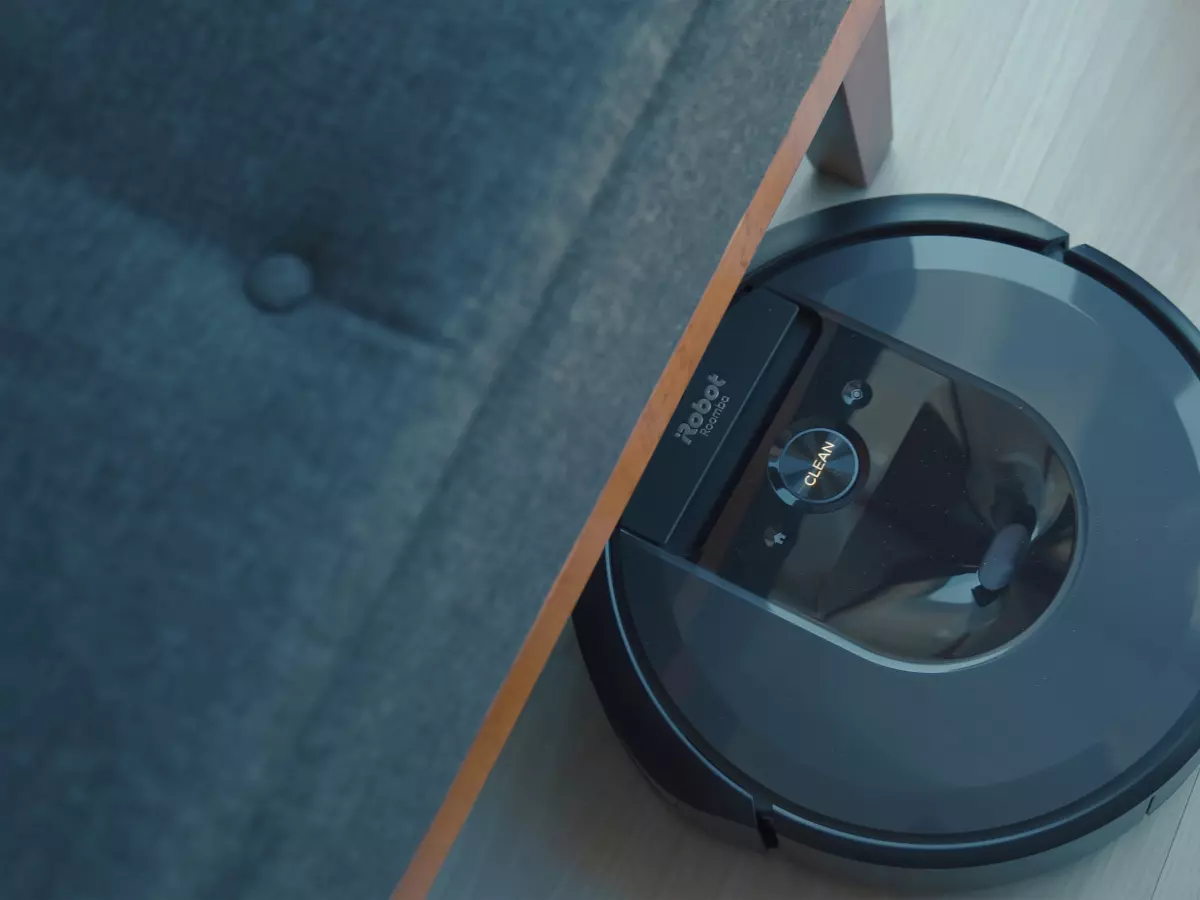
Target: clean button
x,y
817,466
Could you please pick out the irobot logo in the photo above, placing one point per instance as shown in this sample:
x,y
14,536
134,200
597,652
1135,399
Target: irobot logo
x,y
706,411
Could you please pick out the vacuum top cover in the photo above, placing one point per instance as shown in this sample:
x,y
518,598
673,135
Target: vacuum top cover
x,y
953,583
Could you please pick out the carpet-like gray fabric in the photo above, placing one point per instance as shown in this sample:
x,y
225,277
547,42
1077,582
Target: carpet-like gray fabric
x,y
261,572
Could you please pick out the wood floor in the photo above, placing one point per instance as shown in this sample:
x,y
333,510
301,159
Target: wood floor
x,y
1086,112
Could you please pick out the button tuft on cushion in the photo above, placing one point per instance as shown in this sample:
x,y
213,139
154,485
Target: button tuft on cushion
x,y
279,282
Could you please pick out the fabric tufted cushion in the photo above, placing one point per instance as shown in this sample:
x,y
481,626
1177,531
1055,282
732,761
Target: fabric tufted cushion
x,y
262,569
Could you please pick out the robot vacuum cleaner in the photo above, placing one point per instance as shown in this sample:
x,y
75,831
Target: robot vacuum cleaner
x,y
911,585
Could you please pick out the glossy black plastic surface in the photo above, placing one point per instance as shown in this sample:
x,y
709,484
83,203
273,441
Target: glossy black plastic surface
x,y
760,341
919,757
907,215
658,745
927,562
1074,704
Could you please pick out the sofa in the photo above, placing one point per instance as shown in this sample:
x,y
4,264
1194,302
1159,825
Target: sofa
x,y
321,327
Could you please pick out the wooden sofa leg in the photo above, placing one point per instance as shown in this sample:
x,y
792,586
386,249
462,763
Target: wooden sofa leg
x,y
855,134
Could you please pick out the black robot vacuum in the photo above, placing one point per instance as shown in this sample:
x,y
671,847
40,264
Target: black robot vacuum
x,y
911,585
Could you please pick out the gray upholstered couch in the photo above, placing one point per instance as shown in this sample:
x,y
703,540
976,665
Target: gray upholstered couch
x,y
263,563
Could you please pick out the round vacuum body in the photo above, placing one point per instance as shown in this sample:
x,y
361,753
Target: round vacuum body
x,y
911,584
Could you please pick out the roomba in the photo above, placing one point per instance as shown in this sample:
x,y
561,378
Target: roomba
x,y
911,584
